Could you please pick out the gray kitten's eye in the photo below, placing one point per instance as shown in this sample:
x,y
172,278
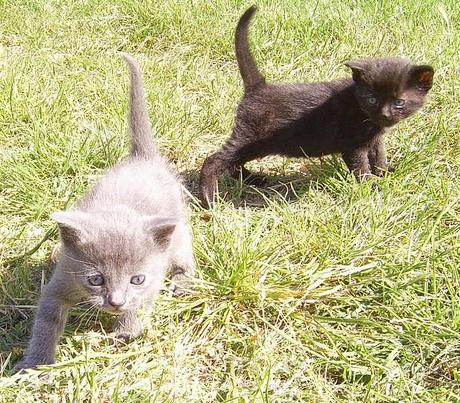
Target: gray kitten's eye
x,y
399,102
97,280
137,280
372,100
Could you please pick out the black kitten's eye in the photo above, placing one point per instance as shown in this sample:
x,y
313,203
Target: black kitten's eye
x,y
137,280
399,103
96,280
372,100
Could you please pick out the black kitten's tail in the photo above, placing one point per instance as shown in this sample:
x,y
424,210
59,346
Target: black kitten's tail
x,y
252,78
143,144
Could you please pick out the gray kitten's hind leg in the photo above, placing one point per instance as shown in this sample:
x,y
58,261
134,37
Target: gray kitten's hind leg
x,y
182,267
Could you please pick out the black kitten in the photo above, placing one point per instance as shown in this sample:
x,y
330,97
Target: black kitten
x,y
347,116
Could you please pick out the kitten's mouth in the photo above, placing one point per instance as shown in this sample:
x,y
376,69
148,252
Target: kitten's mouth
x,y
386,122
115,311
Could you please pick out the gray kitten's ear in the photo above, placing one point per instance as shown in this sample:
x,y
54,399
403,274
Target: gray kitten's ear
x,y
161,229
357,67
71,226
421,77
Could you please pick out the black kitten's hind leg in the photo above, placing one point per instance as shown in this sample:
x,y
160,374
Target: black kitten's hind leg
x,y
213,168
378,159
239,149
248,177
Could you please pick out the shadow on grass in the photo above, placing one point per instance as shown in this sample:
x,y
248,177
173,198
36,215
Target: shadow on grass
x,y
318,174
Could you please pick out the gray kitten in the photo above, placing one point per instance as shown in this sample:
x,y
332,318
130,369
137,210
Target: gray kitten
x,y
119,242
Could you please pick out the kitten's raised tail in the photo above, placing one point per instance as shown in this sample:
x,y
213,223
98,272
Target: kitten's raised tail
x,y
143,144
252,78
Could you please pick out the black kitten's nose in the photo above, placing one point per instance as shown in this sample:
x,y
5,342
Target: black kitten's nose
x,y
386,112
116,300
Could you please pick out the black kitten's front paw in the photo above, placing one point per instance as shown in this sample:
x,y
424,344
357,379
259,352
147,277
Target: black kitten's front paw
x,y
364,177
381,172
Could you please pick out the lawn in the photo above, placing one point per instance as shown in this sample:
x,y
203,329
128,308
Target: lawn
x,y
314,288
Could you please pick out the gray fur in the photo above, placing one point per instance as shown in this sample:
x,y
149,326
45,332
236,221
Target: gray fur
x,y
133,223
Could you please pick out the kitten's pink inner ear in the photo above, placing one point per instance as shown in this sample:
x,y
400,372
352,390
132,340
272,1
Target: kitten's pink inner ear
x,y
426,77
161,229
422,77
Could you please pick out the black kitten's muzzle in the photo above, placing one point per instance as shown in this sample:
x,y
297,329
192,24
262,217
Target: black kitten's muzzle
x,y
385,121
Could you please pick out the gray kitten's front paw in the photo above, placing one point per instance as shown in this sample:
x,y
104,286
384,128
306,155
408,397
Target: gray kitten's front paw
x,y
126,327
181,284
121,338
27,363
21,366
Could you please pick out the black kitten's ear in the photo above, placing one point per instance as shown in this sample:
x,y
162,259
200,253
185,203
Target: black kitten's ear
x,y
71,226
421,77
357,67
161,229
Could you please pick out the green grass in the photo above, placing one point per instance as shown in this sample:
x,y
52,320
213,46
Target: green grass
x,y
316,288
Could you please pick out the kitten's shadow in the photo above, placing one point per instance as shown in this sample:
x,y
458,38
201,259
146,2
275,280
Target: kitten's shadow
x,y
290,187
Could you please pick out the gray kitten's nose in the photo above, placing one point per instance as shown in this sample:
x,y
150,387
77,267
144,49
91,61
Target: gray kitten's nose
x,y
116,300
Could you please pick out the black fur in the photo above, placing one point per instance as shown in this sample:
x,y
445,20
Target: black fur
x,y
347,116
